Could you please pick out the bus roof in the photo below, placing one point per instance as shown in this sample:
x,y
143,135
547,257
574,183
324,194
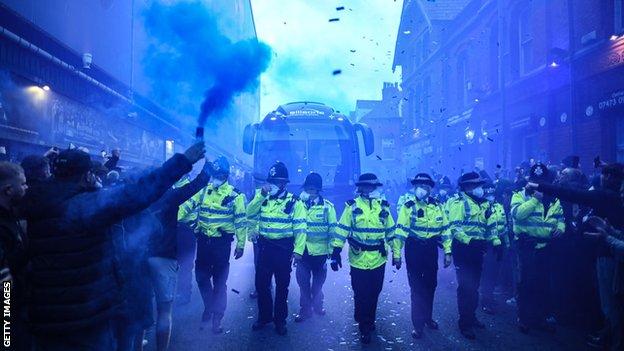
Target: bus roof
x,y
305,109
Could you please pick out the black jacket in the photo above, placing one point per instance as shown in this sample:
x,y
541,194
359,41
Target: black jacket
x,y
13,246
605,203
73,274
167,211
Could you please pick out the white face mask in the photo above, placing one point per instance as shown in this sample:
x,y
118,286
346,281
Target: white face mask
x,y
216,182
274,189
421,193
375,194
490,198
478,192
443,192
304,196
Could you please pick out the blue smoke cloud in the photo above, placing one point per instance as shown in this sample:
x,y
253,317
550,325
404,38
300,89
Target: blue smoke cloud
x,y
189,55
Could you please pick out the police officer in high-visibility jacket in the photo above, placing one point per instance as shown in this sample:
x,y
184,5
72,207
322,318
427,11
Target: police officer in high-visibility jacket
x,y
219,214
368,226
469,214
281,219
422,225
537,219
313,267
497,225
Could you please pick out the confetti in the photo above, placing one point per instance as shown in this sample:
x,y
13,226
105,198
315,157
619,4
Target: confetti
x,y
340,8
337,72
235,291
334,19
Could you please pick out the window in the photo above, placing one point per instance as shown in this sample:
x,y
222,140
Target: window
x,y
525,39
494,50
619,16
446,82
387,148
426,95
425,46
462,79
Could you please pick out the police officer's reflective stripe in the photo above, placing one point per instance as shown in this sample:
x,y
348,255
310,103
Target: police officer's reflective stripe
x,y
369,230
239,215
343,227
206,219
318,224
536,225
470,223
276,230
217,212
338,236
473,233
279,220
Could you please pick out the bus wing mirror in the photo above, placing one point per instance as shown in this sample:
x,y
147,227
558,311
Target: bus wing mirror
x,y
367,138
249,136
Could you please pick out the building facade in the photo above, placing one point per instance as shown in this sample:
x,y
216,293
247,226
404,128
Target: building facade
x,y
497,82
107,105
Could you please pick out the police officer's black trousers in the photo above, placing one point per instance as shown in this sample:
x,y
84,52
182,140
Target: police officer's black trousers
x,y
366,284
468,261
212,268
274,260
314,269
421,260
533,285
490,277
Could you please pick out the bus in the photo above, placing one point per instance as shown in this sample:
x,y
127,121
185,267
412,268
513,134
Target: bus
x,y
310,137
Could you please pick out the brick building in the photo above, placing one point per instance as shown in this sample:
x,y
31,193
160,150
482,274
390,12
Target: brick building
x,y
488,82
384,119
109,104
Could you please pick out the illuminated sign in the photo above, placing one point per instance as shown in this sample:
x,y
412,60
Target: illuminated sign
x,y
307,112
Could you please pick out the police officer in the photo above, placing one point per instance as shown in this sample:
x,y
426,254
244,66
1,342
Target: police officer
x,y
321,227
468,219
281,219
497,225
219,211
537,219
368,226
422,225
445,190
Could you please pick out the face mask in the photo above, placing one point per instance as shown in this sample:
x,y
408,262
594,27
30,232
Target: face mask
x,y
421,193
216,182
478,192
490,198
304,196
443,192
375,194
274,189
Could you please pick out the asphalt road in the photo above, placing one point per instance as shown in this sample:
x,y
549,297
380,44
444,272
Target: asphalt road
x,y
338,331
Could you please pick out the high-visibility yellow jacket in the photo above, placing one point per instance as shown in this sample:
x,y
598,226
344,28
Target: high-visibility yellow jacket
x,y
280,216
405,198
368,222
497,223
321,226
530,220
423,220
216,211
468,220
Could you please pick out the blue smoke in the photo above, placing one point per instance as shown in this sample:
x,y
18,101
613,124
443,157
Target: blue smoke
x,y
189,55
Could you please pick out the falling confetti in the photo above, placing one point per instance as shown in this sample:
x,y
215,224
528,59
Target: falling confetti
x,y
334,19
340,8
337,72
235,291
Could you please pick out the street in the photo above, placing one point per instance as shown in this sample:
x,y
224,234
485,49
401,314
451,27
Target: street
x,y
338,331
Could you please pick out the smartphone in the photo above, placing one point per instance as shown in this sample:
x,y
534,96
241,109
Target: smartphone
x,y
199,134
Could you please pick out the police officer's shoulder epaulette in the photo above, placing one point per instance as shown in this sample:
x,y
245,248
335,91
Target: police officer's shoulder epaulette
x,y
385,203
432,201
350,202
409,204
328,203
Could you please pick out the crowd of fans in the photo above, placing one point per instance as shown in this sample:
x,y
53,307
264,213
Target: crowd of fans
x,y
73,234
